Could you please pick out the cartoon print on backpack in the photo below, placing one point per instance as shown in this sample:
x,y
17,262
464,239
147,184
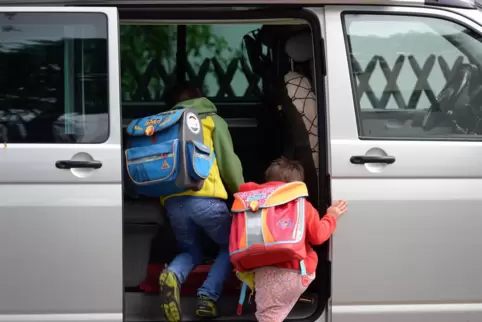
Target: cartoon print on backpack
x,y
193,123
286,223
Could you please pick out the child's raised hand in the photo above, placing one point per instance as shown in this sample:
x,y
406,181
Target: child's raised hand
x,y
338,208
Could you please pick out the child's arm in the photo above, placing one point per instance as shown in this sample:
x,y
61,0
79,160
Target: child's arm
x,y
320,230
229,165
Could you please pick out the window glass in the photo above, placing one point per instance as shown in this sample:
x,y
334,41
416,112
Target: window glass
x,y
148,59
415,77
214,62
220,63
54,82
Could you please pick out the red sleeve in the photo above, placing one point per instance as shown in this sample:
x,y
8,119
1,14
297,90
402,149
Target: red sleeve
x,y
318,230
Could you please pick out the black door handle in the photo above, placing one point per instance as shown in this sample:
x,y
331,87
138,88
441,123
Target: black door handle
x,y
362,159
69,164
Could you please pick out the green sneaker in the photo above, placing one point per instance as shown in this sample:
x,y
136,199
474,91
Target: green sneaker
x,y
170,296
206,308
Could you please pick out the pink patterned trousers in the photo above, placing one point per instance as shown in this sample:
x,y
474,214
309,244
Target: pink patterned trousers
x,y
277,291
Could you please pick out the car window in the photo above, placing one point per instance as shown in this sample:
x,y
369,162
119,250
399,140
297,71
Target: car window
x,y
229,75
54,78
215,60
148,58
414,77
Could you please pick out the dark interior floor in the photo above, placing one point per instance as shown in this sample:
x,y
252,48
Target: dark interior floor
x,y
142,307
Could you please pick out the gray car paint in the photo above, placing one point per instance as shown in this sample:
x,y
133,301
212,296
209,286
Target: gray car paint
x,y
408,253
61,230
407,249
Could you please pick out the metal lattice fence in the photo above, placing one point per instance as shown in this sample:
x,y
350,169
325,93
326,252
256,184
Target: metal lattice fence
x,y
224,77
422,73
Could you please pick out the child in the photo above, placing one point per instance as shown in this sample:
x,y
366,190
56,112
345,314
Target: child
x,y
193,212
279,287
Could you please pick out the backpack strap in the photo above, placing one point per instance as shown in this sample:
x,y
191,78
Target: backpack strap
x,y
304,274
242,297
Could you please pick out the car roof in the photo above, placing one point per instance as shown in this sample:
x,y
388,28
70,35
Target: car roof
x,y
469,4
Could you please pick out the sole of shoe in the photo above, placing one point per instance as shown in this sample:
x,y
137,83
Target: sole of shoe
x,y
170,297
206,314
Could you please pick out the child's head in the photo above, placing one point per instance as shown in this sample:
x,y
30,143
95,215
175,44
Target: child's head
x,y
284,170
181,92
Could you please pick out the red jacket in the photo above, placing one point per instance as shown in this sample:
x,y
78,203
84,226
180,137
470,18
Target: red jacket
x,y
317,230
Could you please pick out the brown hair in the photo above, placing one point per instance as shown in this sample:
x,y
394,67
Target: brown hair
x,y
182,91
285,170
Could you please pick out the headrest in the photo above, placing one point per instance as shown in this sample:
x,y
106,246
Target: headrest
x,y
300,47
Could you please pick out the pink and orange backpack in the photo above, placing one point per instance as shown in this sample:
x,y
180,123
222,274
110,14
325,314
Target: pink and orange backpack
x,y
268,228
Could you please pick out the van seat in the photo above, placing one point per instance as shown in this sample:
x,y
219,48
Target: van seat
x,y
143,210
142,219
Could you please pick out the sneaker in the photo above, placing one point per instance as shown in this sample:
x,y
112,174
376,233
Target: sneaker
x,y
206,308
170,295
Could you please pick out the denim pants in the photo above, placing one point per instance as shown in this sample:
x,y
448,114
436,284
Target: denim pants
x,y
189,217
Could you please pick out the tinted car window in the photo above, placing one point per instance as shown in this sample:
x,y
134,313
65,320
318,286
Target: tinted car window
x,y
215,60
415,77
54,78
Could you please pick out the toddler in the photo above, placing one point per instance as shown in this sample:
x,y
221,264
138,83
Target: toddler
x,y
279,287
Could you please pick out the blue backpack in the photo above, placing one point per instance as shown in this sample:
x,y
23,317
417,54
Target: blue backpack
x,y
166,153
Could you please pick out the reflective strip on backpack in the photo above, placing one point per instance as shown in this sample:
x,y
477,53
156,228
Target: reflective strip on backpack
x,y
254,228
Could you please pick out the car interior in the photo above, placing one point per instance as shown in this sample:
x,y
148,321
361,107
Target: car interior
x,y
275,115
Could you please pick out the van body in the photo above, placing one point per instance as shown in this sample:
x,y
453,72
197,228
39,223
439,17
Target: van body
x,y
398,88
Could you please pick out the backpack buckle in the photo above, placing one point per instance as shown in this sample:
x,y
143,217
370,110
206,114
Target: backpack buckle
x,y
253,205
149,130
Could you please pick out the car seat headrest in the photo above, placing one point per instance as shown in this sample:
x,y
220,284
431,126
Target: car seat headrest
x,y
300,47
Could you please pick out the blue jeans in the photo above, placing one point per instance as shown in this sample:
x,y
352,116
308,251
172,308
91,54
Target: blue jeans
x,y
189,217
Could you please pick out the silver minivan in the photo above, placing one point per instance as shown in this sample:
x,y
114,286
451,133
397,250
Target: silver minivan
x,y
397,87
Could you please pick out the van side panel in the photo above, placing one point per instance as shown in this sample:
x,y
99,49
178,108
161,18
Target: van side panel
x,y
60,248
61,229
408,249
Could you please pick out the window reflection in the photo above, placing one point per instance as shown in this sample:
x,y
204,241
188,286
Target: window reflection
x,y
53,78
